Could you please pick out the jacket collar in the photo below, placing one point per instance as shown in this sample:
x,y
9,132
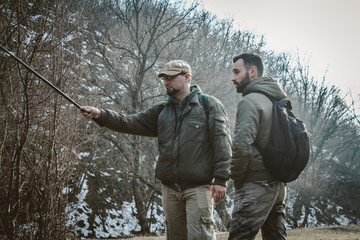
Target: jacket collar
x,y
194,90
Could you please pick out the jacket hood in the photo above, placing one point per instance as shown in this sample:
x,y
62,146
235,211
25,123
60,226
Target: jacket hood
x,y
268,85
194,89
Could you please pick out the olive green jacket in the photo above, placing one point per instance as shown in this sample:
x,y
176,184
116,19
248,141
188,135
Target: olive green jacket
x,y
193,150
253,125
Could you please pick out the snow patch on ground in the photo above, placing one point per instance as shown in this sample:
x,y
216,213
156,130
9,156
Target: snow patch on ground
x,y
112,223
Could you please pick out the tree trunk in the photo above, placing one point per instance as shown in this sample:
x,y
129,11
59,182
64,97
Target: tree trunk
x,y
141,211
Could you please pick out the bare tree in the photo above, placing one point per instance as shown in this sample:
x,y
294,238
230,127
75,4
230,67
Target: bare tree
x,y
123,54
38,141
110,55
329,120
210,51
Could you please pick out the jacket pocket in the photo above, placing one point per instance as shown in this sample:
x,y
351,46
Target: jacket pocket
x,y
221,125
196,131
207,227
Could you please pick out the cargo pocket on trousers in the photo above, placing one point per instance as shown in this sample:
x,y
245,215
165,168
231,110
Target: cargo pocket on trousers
x,y
207,227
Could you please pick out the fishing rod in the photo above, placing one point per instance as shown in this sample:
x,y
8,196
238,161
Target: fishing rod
x,y
42,78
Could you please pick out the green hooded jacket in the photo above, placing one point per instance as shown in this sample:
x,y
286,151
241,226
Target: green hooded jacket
x,y
193,150
253,125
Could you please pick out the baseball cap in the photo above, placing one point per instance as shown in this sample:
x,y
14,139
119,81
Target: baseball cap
x,y
175,67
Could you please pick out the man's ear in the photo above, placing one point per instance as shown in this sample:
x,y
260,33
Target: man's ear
x,y
188,77
253,73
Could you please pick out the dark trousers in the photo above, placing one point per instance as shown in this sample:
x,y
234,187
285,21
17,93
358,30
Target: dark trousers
x,y
259,206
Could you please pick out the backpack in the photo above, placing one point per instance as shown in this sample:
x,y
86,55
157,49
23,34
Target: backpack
x,y
288,150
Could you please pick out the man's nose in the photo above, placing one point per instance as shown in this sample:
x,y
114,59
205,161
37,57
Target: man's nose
x,y
166,82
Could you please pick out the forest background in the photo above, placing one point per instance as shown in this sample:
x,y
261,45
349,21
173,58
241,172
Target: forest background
x,y
62,176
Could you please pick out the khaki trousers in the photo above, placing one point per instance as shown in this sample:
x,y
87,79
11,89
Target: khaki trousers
x,y
189,213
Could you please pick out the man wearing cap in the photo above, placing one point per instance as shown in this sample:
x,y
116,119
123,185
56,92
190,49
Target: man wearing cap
x,y
194,151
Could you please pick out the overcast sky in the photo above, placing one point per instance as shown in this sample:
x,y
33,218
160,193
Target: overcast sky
x,y
327,31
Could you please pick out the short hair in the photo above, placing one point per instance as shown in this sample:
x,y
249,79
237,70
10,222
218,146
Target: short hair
x,y
252,59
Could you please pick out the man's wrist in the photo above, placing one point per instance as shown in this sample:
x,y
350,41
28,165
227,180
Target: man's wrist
x,y
220,181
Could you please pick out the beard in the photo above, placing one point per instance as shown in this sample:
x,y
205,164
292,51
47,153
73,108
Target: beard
x,y
172,92
243,83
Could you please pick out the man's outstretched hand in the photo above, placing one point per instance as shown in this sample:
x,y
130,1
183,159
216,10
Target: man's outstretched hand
x,y
90,112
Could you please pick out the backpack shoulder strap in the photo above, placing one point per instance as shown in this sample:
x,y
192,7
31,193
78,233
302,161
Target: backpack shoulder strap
x,y
285,102
203,99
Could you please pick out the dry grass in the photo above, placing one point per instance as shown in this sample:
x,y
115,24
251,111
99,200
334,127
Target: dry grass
x,y
325,233
351,232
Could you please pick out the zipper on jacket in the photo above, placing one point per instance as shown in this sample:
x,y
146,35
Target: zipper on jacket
x,y
177,134
177,184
